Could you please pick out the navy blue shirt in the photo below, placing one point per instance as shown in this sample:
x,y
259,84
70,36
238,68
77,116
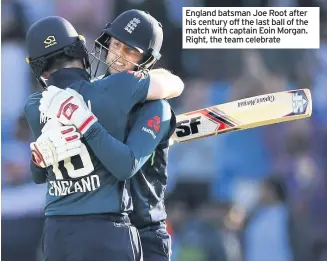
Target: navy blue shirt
x,y
94,182
148,186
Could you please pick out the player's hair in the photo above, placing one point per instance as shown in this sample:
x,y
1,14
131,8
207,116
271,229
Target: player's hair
x,y
59,61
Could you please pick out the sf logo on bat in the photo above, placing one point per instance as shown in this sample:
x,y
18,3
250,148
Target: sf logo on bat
x,y
188,127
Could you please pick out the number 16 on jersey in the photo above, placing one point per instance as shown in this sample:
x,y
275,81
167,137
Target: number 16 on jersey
x,y
85,166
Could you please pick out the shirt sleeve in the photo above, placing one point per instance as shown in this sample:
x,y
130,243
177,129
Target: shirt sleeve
x,y
38,173
128,88
33,119
149,129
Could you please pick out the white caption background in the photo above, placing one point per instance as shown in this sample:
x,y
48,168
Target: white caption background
x,y
262,27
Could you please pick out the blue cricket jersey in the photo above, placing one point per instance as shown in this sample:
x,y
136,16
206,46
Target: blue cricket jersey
x,y
94,182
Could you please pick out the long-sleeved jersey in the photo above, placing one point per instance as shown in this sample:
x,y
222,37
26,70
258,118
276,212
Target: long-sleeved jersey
x,y
148,186
83,184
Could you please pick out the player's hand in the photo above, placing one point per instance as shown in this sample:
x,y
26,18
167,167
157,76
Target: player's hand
x,y
56,143
68,107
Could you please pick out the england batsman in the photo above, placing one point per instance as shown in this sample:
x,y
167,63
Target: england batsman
x,y
87,207
128,39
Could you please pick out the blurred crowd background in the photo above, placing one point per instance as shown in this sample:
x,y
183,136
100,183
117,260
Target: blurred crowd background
x,y
258,194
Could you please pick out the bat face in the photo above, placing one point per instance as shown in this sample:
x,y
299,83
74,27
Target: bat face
x,y
244,114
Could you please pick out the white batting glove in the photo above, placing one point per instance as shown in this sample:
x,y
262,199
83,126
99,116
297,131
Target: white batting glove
x,y
67,107
56,143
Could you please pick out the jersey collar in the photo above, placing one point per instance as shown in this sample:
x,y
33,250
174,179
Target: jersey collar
x,y
64,77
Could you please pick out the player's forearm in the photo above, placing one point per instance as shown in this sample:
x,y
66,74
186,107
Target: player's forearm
x,y
124,160
38,174
164,84
117,157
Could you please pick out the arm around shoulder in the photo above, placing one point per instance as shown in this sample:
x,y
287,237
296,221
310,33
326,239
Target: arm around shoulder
x,y
124,160
164,84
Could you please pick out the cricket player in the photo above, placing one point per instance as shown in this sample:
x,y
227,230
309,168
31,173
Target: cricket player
x,y
87,206
123,40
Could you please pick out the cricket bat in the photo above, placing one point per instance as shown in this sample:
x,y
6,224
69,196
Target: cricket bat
x,y
243,114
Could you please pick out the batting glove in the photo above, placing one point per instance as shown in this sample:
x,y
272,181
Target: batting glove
x,y
67,107
56,143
